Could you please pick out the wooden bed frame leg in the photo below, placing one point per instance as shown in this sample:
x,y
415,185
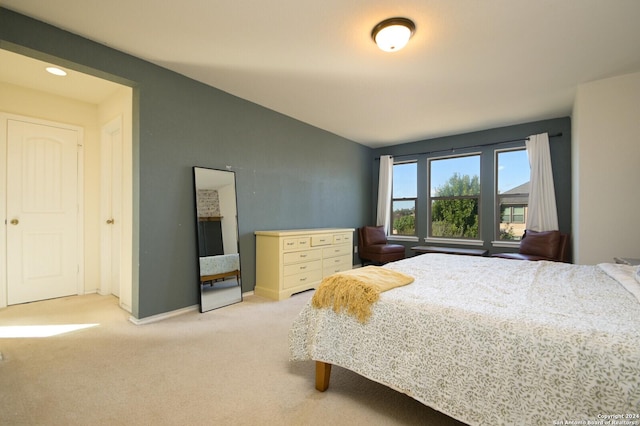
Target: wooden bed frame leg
x,y
323,373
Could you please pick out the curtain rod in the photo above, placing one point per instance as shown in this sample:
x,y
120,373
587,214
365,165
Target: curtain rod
x,y
557,135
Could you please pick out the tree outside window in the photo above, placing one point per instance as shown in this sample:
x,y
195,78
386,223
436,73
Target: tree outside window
x,y
404,196
512,193
455,197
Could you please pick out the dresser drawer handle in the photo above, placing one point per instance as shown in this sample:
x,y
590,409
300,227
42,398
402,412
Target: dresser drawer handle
x,y
303,279
302,268
303,255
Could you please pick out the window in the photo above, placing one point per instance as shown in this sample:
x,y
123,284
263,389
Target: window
x,y
454,197
404,196
512,214
512,193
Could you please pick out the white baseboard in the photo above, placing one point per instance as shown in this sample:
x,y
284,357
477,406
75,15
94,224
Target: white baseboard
x,y
164,316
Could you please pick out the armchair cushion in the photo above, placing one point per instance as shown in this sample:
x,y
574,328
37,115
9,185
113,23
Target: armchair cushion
x,y
382,249
547,245
373,246
541,244
373,235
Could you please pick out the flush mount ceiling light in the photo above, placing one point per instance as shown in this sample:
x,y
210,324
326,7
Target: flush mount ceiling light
x,y
56,71
393,34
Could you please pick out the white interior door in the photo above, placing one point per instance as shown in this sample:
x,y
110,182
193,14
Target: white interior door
x,y
111,207
42,211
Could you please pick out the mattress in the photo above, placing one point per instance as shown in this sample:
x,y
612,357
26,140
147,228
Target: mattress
x,y
212,265
492,341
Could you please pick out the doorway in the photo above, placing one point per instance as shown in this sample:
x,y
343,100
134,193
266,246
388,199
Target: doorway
x,y
88,102
111,206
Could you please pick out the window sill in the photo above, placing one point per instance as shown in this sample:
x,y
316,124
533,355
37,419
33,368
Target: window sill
x,y
402,238
509,244
456,241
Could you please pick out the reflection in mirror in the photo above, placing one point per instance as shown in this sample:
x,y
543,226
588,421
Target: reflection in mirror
x,y
218,252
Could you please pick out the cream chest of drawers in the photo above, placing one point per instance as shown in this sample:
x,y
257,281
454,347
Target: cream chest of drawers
x,y
292,261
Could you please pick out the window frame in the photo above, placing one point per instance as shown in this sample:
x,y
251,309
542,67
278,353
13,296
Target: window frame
x,y
497,197
455,240
400,199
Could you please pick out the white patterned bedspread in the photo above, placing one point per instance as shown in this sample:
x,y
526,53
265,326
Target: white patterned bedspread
x,y
212,265
492,341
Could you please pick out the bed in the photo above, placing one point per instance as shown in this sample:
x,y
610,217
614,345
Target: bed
x,y
219,267
492,341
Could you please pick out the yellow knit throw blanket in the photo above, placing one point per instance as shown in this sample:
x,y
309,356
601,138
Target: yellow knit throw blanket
x,y
356,290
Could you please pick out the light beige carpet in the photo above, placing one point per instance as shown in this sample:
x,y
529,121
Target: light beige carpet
x,y
226,367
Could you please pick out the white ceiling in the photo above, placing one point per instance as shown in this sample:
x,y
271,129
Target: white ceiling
x,y
28,72
471,65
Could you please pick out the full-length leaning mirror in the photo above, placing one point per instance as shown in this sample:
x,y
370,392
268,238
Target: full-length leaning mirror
x,y
218,251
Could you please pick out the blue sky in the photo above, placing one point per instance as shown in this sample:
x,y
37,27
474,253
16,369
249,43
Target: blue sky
x,y
513,171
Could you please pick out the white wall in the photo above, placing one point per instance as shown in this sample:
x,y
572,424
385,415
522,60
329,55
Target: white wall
x,y
606,170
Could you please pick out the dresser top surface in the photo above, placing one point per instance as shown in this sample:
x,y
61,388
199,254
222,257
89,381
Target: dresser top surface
x,y
293,232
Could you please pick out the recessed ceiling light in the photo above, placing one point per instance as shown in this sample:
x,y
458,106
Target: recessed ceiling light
x,y
56,71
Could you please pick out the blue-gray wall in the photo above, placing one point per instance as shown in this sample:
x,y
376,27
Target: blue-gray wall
x,y
288,174
560,148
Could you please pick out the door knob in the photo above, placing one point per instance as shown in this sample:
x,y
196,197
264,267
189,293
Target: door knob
x,y
110,221
15,221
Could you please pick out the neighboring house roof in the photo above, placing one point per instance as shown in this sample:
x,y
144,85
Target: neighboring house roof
x,y
517,198
520,189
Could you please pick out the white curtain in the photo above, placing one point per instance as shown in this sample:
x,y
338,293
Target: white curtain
x,y
384,192
542,212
